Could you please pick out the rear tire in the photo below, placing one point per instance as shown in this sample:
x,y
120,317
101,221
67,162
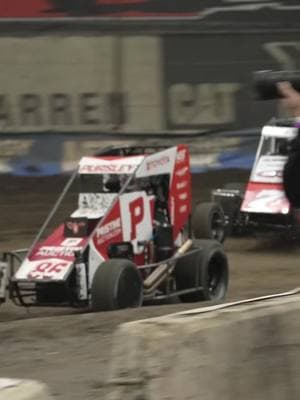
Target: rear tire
x,y
211,265
209,222
117,284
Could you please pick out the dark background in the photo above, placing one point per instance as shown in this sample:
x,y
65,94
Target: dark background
x,y
214,41
136,8
227,58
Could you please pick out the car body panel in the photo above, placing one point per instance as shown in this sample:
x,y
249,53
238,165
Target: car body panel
x,y
265,198
264,192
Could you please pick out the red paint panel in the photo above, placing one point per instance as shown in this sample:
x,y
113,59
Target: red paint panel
x,y
26,9
54,242
180,190
265,198
255,186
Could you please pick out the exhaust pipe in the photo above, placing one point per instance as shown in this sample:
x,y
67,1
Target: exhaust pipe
x,y
164,269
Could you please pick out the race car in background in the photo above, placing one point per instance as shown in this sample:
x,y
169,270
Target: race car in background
x,y
129,239
261,205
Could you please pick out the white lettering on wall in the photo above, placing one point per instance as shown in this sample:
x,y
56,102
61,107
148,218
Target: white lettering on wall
x,y
205,103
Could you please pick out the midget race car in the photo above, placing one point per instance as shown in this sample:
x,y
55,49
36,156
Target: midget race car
x,y
261,205
128,239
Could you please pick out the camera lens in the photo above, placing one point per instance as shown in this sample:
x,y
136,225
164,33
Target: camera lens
x,y
265,83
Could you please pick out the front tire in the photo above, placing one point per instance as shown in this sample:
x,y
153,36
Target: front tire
x,y
117,284
210,265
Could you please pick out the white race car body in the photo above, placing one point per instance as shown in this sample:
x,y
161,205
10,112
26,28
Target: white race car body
x,y
264,192
103,218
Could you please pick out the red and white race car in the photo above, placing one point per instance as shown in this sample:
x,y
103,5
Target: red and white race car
x,y
127,239
262,205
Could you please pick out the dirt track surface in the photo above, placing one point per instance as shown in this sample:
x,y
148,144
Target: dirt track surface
x,y
71,352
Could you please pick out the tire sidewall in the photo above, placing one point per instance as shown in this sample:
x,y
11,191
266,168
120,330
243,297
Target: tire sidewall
x,y
106,284
116,287
203,220
214,250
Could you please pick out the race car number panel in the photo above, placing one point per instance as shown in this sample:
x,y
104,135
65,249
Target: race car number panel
x,y
50,269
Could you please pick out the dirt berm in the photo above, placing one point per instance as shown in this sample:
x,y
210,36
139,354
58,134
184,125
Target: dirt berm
x,y
245,351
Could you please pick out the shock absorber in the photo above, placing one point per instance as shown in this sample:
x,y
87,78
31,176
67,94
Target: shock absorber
x,y
81,277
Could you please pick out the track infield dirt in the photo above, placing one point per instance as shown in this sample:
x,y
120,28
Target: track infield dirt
x,y
70,351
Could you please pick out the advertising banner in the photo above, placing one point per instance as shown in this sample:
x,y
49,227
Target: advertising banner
x,y
119,84
209,78
228,10
64,90
80,84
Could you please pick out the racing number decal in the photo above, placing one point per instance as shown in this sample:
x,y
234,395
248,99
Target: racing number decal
x,y
136,218
137,212
47,270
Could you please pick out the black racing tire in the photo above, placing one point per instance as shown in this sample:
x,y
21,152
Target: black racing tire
x,y
209,222
117,284
211,265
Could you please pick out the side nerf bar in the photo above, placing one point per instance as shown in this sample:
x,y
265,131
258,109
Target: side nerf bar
x,y
9,263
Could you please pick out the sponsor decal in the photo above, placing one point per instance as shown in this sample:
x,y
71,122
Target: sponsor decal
x,y
110,226
108,231
92,165
75,227
183,209
181,171
69,242
183,196
50,251
270,174
269,169
107,169
181,185
96,201
150,165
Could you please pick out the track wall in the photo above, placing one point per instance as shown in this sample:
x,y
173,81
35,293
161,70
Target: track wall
x,y
71,77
